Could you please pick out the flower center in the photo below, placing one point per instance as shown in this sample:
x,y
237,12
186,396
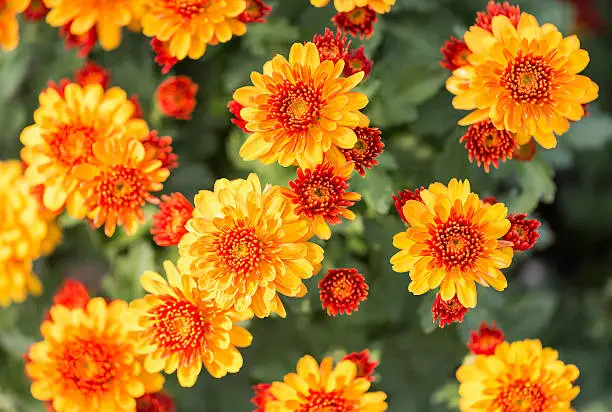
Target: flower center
x,y
296,106
319,401
360,146
320,194
122,188
72,145
343,288
528,79
522,396
188,8
240,249
456,243
357,15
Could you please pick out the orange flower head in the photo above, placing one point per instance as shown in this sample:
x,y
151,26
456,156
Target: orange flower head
x,y
188,26
363,155
342,290
9,27
262,396
448,311
485,18
299,109
71,294
36,11
358,22
83,42
118,181
176,97
365,365
169,223
379,6
248,245
356,61
321,196
155,402
256,11
485,340
162,55
488,145
525,152
402,197
235,108
523,232
331,46
92,73
87,360
179,328
455,53
162,149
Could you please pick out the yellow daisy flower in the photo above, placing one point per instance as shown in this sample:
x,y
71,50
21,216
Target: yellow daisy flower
x,y
300,109
322,387
342,6
179,328
9,27
525,79
520,376
453,242
246,245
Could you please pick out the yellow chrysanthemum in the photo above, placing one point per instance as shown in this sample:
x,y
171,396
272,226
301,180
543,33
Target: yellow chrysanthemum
x,y
379,6
179,328
190,25
453,242
300,109
9,27
108,16
524,79
26,233
322,388
65,130
246,245
87,360
520,376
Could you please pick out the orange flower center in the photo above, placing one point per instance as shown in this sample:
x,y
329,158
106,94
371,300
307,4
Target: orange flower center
x,y
456,243
240,249
327,402
357,15
187,8
342,288
523,396
320,193
528,79
296,106
72,145
122,188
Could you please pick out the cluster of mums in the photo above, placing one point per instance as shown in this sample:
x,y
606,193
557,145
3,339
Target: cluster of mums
x,y
243,245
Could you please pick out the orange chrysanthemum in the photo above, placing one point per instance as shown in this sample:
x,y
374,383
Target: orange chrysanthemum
x,y
455,53
179,328
402,197
365,365
169,223
331,46
190,25
321,196
379,6
342,290
453,242
36,11
162,55
363,155
488,145
9,27
447,311
519,376
87,360
155,402
176,97
484,19
262,396
255,12
300,109
524,79
162,147
235,108
322,387
356,61
486,339
119,180
71,294
84,42
247,245
358,22
92,73
523,232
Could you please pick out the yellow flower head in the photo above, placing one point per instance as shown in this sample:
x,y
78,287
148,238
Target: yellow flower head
x,y
520,376
179,328
300,109
379,6
9,27
315,387
246,245
26,233
65,130
452,243
87,360
189,25
525,79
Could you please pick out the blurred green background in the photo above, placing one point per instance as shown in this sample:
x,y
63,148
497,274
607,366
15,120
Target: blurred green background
x,y
560,292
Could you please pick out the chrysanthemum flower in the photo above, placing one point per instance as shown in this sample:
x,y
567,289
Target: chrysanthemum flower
x,y
526,152
379,6
365,365
87,360
524,79
189,25
155,402
322,387
356,61
454,54
453,242
523,232
358,22
36,11
9,27
92,73
256,11
321,196
83,42
262,396
300,109
176,97
485,340
520,376
162,55
118,182
63,136
169,223
402,197
331,46
342,290
488,145
363,155
235,108
484,19
162,147
71,294
247,244
447,311
180,328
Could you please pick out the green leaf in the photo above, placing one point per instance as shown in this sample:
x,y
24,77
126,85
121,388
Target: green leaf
x,y
519,320
537,184
592,132
425,315
376,190
124,282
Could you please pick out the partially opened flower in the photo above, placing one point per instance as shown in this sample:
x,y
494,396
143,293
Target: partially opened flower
x,y
83,42
92,73
356,61
455,53
379,6
255,12
523,232
404,196
72,294
447,311
342,290
486,339
369,145
162,55
262,396
365,365
155,402
331,46
176,97
235,108
169,223
358,22
162,149
488,145
484,19
9,27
